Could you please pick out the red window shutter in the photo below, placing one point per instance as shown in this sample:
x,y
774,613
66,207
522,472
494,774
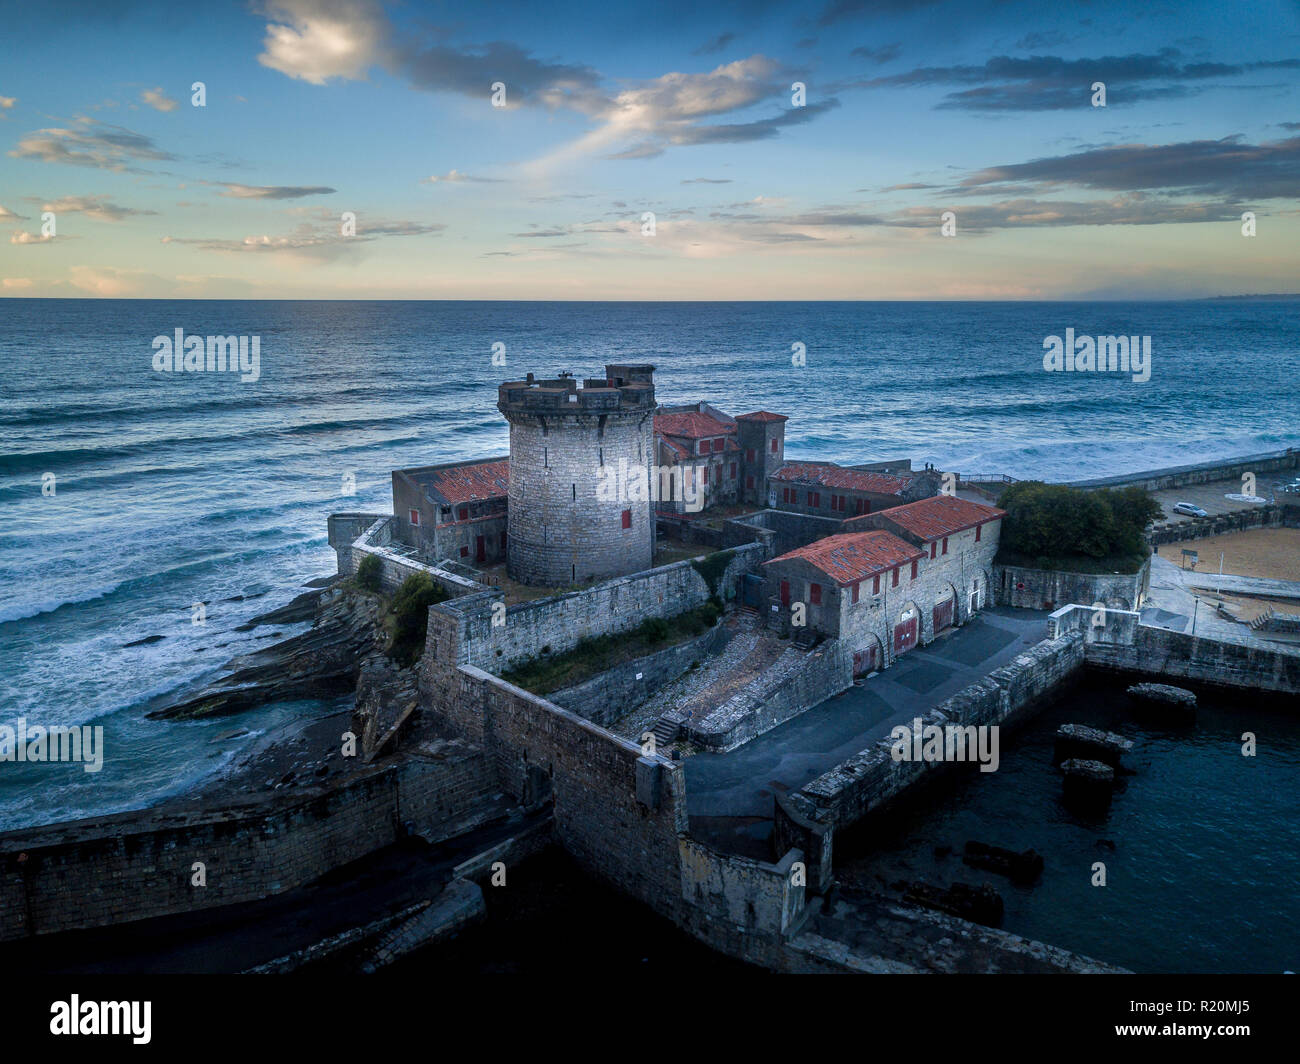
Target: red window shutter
x,y
774,446
706,474
895,578
815,594
856,585
875,585
914,570
817,499
733,470
463,513
933,548
978,530
945,544
415,517
627,518
785,592
749,482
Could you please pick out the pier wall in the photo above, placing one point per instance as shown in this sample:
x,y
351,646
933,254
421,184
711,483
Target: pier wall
x,y
1287,514
1201,473
871,780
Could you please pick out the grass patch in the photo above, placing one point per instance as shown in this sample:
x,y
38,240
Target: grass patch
x,y
547,673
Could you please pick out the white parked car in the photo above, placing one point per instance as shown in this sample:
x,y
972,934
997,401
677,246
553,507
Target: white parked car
x,y
1189,509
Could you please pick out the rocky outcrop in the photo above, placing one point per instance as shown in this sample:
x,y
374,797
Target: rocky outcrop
x,y
1174,701
1023,868
1080,741
322,662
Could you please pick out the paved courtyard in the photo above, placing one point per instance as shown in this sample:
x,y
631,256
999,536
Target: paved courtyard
x,y
729,796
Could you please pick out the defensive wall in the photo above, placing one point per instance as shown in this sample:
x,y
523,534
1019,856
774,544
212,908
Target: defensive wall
x,y
618,812
1269,516
1046,589
134,866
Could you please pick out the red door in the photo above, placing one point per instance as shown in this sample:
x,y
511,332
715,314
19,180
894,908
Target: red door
x,y
864,661
480,549
785,592
905,636
943,616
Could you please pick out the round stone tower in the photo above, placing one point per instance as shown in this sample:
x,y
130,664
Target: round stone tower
x,y
579,457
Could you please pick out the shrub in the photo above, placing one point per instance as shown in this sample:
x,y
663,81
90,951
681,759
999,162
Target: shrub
x,y
410,610
370,573
655,630
1055,521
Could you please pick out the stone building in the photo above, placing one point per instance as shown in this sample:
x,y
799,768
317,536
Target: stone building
x,y
890,580
454,511
762,448
697,445
577,509
829,490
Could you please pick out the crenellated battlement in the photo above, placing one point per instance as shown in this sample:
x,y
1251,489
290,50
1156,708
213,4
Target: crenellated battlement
x,y
629,388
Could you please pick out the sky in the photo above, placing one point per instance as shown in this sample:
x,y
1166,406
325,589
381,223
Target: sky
x,y
356,149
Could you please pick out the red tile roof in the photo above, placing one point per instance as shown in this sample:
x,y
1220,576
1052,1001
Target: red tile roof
x,y
468,483
761,415
850,556
942,515
692,425
829,475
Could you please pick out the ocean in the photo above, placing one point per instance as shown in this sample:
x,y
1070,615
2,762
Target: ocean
x,y
174,489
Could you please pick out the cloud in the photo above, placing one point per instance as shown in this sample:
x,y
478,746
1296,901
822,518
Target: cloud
x,y
16,282
5,212
274,192
95,144
315,243
113,283
1230,168
641,121
21,237
453,177
315,40
7,102
715,45
1132,209
158,101
884,54
97,207
707,181
839,10
1051,83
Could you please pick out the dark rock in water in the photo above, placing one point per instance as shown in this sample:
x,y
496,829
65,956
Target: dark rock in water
x,y
943,851
145,641
1106,844
1088,784
980,905
322,662
302,608
1078,741
1175,701
233,733
1023,868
